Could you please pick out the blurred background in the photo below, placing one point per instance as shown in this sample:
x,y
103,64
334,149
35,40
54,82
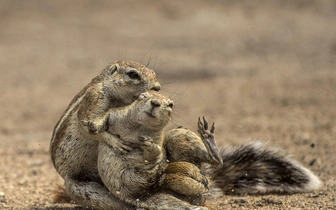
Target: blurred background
x,y
259,69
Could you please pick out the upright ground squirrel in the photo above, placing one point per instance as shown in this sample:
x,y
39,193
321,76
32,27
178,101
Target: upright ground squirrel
x,y
74,147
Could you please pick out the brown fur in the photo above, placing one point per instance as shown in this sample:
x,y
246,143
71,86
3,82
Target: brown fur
x,y
60,196
74,147
144,172
143,151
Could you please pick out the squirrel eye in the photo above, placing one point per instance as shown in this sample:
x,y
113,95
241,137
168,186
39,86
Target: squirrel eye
x,y
133,75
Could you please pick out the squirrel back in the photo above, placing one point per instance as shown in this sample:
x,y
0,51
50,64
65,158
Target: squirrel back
x,y
256,168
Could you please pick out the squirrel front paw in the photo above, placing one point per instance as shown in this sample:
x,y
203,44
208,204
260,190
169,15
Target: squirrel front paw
x,y
94,127
123,147
151,151
145,142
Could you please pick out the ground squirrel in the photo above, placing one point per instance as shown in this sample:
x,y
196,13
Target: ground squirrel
x,y
146,178
74,147
251,168
150,182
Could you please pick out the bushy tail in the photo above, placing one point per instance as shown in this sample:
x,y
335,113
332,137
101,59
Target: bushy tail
x,y
254,168
60,196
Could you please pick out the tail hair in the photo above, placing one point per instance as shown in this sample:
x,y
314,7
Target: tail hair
x,y
255,168
60,196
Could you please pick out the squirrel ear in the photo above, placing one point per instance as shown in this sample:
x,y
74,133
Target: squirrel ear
x,y
110,69
113,68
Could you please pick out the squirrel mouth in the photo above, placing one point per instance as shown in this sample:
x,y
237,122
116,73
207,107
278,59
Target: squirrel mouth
x,y
151,114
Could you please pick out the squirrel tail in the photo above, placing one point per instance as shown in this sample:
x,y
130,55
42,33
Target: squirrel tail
x,y
254,168
60,196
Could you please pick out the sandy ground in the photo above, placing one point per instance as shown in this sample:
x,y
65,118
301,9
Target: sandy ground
x,y
260,69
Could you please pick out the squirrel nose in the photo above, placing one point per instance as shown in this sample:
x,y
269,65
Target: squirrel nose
x,y
156,102
171,104
156,87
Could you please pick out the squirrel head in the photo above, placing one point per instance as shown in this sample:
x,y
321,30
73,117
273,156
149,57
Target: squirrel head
x,y
126,80
153,110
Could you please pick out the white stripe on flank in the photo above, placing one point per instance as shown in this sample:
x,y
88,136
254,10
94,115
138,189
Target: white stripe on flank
x,y
66,115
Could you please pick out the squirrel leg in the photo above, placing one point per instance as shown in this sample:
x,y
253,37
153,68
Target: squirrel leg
x,y
208,138
186,179
93,116
184,145
93,119
104,136
93,194
96,126
186,151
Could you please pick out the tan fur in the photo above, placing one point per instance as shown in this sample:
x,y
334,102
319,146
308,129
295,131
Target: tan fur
x,y
145,171
60,195
140,167
141,125
74,147
181,183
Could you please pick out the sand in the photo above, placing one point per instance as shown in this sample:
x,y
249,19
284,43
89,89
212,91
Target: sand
x,y
261,70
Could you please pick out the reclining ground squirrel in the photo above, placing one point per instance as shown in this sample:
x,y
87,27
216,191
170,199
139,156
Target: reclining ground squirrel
x,y
251,168
145,178
74,148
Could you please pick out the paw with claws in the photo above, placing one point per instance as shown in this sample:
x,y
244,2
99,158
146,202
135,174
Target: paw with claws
x,y
208,138
151,151
122,146
94,127
113,140
186,179
145,142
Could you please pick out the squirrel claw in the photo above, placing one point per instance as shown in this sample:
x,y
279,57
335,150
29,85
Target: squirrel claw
x,y
92,128
206,126
145,141
212,130
123,148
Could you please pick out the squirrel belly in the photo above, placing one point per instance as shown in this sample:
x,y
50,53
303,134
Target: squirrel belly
x,y
256,168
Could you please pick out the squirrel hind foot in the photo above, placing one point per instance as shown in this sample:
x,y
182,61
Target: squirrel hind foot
x,y
185,179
